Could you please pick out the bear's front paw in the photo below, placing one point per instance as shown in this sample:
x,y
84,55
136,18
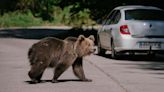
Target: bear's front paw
x,y
34,81
87,80
54,81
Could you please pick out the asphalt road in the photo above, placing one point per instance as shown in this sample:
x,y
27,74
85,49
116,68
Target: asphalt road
x,y
131,74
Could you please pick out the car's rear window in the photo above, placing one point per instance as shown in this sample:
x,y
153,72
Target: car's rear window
x,y
144,14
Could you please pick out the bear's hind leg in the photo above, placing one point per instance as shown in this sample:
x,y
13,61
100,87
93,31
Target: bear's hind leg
x,y
78,70
36,72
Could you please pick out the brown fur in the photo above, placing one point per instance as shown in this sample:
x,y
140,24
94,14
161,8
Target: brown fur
x,y
53,52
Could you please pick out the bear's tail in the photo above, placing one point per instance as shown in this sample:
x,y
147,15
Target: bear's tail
x,y
31,56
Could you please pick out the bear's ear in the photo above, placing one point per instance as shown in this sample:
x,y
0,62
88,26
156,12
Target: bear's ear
x,y
81,38
92,37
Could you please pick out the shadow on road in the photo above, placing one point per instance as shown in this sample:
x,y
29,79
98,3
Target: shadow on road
x,y
59,81
155,63
144,57
38,33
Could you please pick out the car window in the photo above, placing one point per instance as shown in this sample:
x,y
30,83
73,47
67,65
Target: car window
x,y
117,17
114,17
144,14
110,15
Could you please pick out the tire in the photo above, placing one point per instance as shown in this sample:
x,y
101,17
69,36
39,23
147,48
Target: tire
x,y
100,50
114,54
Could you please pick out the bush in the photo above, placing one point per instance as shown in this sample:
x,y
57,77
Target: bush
x,y
82,18
66,17
16,19
60,17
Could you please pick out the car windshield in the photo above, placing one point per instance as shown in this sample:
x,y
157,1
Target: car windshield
x,y
144,14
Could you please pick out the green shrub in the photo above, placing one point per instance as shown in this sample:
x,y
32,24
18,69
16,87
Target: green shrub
x,y
17,19
66,17
60,17
82,18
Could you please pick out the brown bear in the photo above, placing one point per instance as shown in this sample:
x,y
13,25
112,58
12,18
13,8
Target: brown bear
x,y
60,54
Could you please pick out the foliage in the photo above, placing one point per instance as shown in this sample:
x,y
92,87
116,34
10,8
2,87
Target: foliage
x,y
67,12
60,17
99,8
82,17
65,16
19,19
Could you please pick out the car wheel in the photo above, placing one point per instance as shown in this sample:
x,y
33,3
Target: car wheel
x,y
100,50
114,54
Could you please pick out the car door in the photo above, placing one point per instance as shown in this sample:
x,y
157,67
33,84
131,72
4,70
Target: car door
x,y
103,34
111,28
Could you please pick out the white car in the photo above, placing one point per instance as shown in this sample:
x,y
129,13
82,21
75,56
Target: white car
x,y
130,29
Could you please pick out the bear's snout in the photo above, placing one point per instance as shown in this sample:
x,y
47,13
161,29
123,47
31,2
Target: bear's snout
x,y
93,50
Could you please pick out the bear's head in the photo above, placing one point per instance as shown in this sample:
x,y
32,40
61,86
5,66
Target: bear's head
x,y
85,46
